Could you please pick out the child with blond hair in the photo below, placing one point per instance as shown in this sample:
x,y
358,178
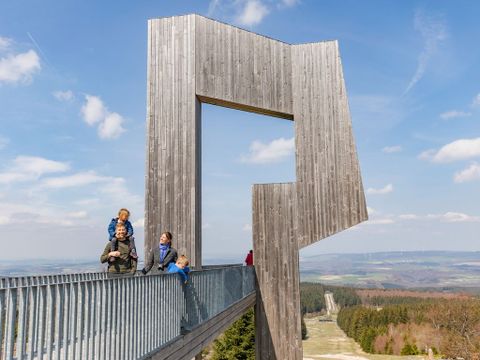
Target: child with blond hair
x,y
122,218
180,267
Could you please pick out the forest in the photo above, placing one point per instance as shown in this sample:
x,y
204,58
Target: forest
x,y
238,342
410,326
395,322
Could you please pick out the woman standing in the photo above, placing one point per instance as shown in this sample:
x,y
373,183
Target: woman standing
x,y
163,254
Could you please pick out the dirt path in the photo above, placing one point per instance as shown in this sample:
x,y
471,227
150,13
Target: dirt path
x,y
327,341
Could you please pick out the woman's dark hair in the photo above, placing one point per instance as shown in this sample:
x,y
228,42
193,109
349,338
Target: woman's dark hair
x,y
168,235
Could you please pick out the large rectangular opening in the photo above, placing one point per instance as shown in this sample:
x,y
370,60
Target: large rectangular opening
x,y
239,149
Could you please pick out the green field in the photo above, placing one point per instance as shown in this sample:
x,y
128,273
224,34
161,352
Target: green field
x,y
327,341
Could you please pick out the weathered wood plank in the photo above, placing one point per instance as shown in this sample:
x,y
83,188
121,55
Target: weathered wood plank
x,y
172,199
329,185
277,313
240,67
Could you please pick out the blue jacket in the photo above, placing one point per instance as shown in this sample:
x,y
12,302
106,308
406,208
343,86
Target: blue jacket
x,y
173,268
113,224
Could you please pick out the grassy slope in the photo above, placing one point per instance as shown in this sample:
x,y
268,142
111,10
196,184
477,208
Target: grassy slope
x,y
327,341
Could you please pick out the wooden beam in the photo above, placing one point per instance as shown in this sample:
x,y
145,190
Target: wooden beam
x,y
275,255
329,185
173,182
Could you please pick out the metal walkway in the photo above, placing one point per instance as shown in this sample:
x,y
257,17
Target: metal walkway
x,y
94,316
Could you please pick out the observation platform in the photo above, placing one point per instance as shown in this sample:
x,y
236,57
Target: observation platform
x,y
98,316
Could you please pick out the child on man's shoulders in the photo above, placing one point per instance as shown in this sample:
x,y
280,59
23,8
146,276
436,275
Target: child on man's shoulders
x,y
122,218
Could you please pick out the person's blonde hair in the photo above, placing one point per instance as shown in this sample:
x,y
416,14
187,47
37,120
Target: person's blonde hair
x,y
182,259
123,210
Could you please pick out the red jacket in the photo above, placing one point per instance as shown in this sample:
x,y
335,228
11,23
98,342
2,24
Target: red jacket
x,y
249,259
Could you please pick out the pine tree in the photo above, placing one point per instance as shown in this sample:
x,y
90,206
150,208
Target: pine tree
x,y
238,342
304,329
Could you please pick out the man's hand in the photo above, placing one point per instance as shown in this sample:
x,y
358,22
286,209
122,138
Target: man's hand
x,y
114,253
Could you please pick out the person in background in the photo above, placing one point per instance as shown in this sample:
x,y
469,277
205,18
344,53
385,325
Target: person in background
x,y
162,255
249,258
123,215
121,260
180,267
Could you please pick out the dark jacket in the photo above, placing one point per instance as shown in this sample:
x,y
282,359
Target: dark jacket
x,y
122,264
154,259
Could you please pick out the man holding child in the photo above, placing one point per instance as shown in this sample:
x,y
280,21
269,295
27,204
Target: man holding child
x,y
121,260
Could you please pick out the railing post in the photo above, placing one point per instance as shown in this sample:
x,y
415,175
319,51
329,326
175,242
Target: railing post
x,y
22,322
11,316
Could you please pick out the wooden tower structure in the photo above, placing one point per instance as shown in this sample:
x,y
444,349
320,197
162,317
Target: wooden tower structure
x,y
194,60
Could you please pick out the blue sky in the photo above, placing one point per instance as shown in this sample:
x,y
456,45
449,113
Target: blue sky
x,y
72,123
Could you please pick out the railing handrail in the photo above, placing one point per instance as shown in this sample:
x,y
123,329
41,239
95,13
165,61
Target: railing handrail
x,y
52,279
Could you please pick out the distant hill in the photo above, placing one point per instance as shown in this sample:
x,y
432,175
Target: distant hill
x,y
444,270
48,267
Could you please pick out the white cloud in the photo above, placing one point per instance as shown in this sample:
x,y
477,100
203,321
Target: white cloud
x,y
111,127
19,68
4,142
454,114
253,13
77,214
275,151
392,149
371,211
469,174
5,43
384,221
247,228
11,213
385,190
408,217
433,31
140,223
63,95
109,123
476,100
212,7
454,217
246,12
25,168
87,202
427,154
206,226
461,149
4,220
75,180
289,3
93,110
116,189
38,165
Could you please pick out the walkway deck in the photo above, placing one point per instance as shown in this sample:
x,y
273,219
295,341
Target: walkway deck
x,y
94,316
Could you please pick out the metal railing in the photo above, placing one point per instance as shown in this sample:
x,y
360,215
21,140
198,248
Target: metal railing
x,y
128,317
19,281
